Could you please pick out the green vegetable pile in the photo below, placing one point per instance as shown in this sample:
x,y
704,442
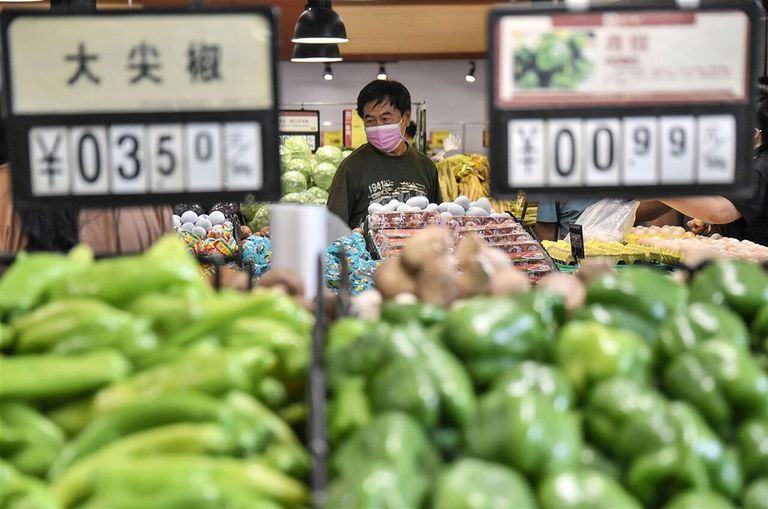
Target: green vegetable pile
x,y
653,394
557,61
305,179
128,383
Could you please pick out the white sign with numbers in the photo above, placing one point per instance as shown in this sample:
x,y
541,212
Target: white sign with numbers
x,y
120,159
622,151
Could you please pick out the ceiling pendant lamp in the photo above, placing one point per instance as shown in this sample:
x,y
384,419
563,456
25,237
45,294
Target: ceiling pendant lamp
x,y
319,24
382,75
470,76
313,53
328,73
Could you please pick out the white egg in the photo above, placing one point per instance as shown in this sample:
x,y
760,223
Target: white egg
x,y
375,207
187,227
403,208
445,216
443,207
216,217
189,217
456,210
463,201
432,207
418,201
199,231
176,221
484,203
203,223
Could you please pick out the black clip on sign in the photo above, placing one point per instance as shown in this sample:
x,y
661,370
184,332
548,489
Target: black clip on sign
x,y
181,108
633,100
576,232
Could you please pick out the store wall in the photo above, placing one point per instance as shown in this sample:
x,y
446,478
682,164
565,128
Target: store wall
x,y
450,100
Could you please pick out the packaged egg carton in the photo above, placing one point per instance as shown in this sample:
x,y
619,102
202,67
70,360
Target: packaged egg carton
x,y
402,220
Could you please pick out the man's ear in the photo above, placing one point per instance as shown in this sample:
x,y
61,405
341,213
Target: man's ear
x,y
406,120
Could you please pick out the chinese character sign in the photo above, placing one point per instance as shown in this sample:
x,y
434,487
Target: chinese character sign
x,y
75,64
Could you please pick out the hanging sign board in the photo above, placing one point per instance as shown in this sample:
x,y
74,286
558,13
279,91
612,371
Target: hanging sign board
x,y
303,123
622,100
354,129
180,107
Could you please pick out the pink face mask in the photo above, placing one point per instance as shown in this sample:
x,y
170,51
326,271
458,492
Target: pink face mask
x,y
385,137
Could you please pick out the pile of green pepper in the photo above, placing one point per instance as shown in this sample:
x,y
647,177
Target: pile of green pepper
x,y
653,394
129,383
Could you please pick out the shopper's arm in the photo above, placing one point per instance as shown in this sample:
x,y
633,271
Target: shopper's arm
x,y
712,209
546,231
650,210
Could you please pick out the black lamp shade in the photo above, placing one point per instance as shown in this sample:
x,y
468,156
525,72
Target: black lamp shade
x,y
316,53
319,25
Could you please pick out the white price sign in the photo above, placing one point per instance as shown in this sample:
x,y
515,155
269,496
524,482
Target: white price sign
x,y
130,159
634,100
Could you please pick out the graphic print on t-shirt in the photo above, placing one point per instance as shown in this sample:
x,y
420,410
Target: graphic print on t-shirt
x,y
383,191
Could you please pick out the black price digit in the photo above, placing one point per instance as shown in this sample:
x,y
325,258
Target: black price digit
x,y
565,142
164,152
94,162
604,163
677,139
203,147
642,138
132,154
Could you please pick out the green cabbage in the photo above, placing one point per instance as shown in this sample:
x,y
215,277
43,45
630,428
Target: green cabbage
x,y
260,219
300,198
328,154
293,182
297,147
300,165
323,175
345,153
317,194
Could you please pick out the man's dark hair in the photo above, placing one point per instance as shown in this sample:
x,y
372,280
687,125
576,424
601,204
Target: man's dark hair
x,y
411,129
384,92
762,111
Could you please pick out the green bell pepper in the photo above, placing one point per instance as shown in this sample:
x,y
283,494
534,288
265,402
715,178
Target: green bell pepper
x,y
24,284
22,492
617,317
756,494
213,371
752,438
420,312
632,421
28,439
589,352
760,330
64,376
549,305
657,476
584,489
348,409
641,290
740,285
498,330
591,458
345,331
403,385
700,322
377,485
528,376
391,438
526,432
477,484
723,381
699,500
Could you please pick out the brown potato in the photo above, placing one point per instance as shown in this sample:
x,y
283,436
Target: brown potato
x,y
391,279
437,282
421,249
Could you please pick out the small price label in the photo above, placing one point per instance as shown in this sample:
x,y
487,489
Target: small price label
x,y
576,232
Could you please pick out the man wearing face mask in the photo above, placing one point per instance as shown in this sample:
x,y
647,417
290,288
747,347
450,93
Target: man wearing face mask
x,y
386,167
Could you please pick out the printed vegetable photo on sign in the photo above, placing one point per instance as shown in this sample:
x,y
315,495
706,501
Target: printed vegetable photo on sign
x,y
558,60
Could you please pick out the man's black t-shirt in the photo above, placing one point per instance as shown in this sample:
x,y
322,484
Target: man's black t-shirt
x,y
753,224
368,176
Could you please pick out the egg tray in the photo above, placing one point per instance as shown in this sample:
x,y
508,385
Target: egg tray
x,y
402,220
